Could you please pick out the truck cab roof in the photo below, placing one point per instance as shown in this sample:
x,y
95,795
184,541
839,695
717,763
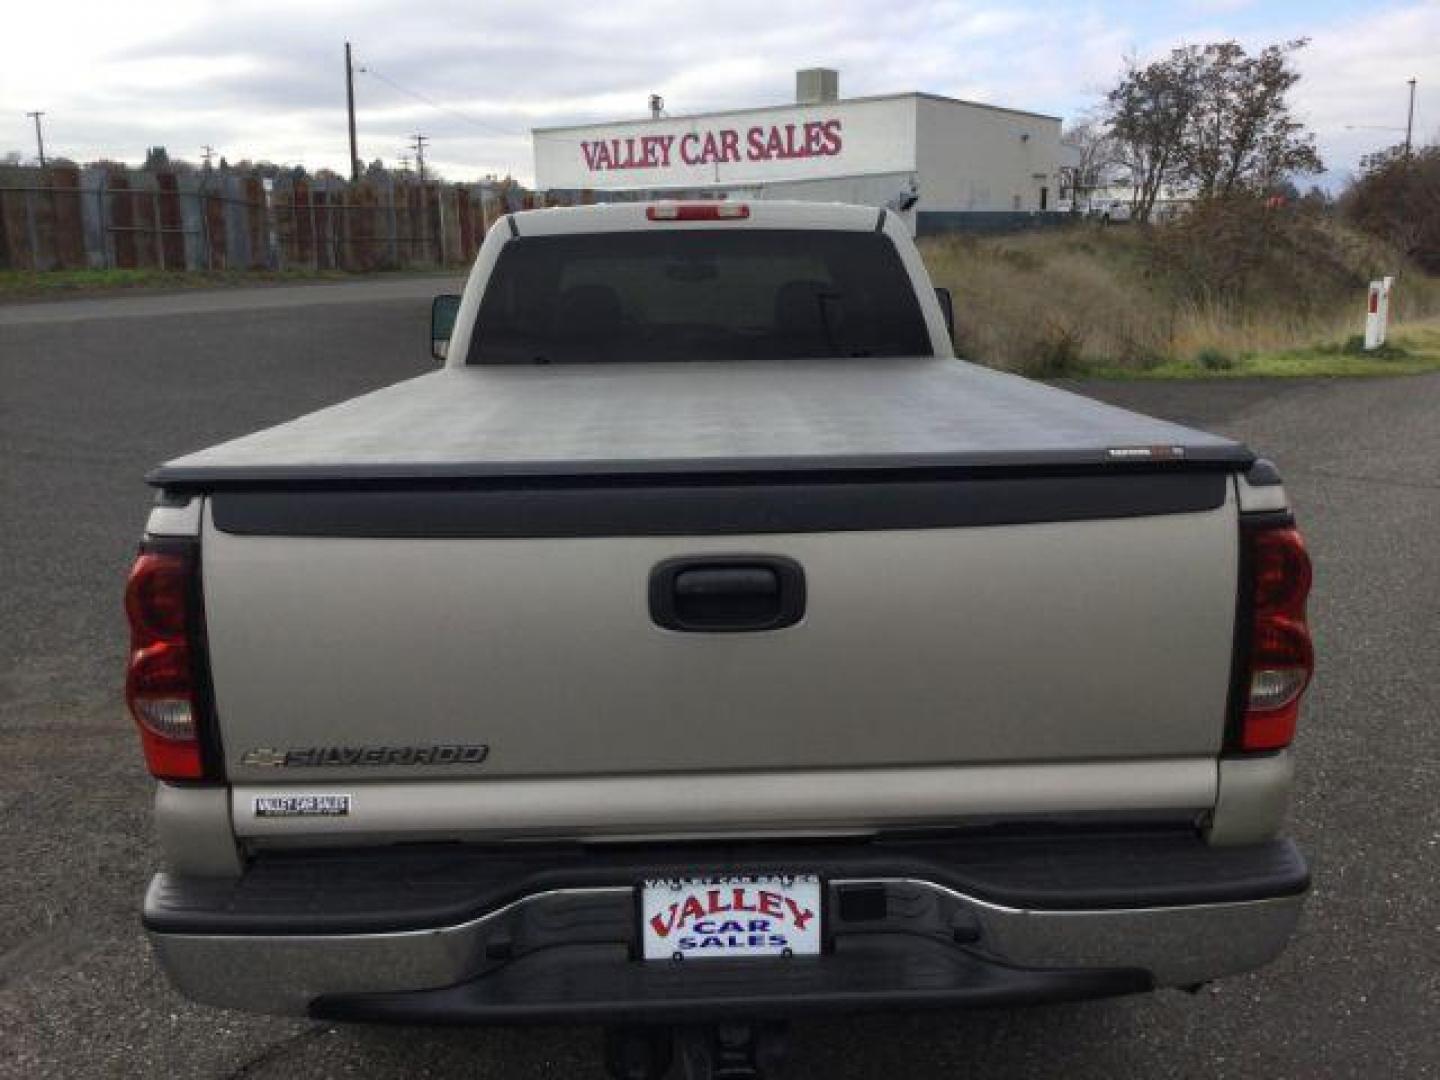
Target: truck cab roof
x,y
764,214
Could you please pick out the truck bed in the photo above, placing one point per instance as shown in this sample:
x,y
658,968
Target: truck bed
x,y
479,422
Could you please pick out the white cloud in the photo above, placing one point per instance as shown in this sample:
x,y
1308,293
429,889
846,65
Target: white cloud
x,y
1218,7
263,79
1355,76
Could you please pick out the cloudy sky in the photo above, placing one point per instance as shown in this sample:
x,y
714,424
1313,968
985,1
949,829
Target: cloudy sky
x,y
265,80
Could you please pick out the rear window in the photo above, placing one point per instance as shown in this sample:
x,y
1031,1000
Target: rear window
x,y
697,294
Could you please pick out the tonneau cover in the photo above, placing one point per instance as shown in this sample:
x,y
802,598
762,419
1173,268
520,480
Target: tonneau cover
x,y
495,421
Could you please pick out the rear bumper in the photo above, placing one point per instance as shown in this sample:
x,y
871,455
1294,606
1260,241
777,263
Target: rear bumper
x,y
471,936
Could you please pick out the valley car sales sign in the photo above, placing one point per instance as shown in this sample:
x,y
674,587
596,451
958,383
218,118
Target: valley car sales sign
x,y
800,143
775,142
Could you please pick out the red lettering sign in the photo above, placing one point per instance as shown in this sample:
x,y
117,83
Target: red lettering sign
x,y
716,902
777,142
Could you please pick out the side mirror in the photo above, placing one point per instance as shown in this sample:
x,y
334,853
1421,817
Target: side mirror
x,y
947,308
443,310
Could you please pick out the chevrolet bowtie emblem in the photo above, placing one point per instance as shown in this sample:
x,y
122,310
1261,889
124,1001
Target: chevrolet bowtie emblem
x,y
264,756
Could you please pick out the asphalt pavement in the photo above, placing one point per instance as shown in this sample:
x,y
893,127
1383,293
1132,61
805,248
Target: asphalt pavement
x,y
94,392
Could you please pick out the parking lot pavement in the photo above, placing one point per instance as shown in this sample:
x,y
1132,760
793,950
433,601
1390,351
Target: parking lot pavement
x,y
91,397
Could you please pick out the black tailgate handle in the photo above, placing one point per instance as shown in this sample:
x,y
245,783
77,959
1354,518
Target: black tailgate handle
x,y
727,594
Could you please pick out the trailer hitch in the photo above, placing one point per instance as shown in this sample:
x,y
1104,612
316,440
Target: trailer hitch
x,y
739,1051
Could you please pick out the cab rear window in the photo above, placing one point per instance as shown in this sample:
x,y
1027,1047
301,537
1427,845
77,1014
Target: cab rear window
x,y
698,294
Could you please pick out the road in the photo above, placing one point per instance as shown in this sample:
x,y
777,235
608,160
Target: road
x,y
92,393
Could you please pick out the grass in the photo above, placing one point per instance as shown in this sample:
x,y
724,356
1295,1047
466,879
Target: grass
x,y
43,284
1412,349
1117,303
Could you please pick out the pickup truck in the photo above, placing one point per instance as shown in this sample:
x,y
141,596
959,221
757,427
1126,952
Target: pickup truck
x,y
706,645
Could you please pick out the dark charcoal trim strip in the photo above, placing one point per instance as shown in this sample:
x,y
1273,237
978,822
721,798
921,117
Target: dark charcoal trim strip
x,y
599,983
714,509
1263,473
1048,463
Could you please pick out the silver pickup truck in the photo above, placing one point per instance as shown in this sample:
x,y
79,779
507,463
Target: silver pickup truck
x,y
704,644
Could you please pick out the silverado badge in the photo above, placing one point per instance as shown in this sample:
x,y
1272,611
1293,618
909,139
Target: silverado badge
x,y
320,757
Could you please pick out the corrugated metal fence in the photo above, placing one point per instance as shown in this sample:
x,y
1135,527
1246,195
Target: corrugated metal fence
x,y
100,217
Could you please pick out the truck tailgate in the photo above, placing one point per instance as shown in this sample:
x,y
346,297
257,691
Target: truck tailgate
x,y
967,628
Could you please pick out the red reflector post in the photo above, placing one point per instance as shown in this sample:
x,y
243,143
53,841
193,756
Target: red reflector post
x,y
1282,659
159,678
706,211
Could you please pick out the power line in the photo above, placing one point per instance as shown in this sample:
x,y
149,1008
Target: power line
x,y
428,100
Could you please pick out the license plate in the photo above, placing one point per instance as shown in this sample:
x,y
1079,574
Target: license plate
x,y
728,917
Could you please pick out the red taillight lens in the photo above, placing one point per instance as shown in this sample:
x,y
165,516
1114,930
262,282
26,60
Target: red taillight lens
x,y
706,211
160,677
156,596
1281,657
1281,571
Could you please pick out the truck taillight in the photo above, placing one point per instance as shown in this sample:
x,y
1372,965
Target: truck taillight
x,y
1281,659
705,211
162,687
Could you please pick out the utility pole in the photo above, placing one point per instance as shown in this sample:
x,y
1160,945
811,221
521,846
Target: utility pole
x,y
420,141
209,152
1410,120
350,107
39,135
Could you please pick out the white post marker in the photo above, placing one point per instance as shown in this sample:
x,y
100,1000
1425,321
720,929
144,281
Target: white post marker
x,y
1377,311
1385,283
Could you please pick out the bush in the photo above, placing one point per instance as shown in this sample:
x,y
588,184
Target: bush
x,y
1214,360
1056,354
1245,255
1395,199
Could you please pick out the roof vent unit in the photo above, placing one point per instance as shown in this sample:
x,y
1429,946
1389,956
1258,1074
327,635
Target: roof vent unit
x,y
816,86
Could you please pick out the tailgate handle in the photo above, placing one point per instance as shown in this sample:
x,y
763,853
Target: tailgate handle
x,y
709,594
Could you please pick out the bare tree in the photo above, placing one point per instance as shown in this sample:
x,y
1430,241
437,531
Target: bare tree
x,y
1149,113
1095,159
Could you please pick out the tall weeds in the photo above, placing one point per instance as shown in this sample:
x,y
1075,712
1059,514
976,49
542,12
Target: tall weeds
x,y
1222,281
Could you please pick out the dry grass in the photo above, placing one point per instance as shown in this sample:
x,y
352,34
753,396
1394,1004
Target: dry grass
x,y
1088,298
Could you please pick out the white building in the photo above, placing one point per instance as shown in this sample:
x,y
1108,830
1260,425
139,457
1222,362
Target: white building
x,y
945,163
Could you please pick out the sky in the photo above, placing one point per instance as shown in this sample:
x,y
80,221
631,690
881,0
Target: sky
x,y
266,80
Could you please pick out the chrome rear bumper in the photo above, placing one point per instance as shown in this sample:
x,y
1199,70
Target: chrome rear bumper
x,y
876,924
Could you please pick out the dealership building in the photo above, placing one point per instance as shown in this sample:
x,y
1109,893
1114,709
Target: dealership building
x,y
940,162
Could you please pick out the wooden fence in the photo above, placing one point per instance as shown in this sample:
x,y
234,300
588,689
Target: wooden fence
x,y
100,217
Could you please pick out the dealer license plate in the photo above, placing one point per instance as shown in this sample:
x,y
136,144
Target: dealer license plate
x,y
727,917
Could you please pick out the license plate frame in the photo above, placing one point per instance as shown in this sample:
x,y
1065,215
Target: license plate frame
x,y
730,916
